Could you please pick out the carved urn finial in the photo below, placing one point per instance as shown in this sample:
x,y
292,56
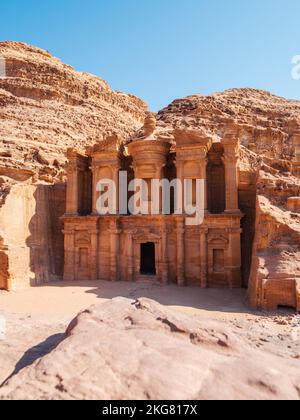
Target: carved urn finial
x,y
149,124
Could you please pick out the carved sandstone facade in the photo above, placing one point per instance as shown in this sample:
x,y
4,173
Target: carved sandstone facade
x,y
129,247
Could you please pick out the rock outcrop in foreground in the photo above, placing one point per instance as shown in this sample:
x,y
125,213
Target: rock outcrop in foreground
x,y
141,350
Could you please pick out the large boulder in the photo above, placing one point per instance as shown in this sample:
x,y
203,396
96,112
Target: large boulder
x,y
125,349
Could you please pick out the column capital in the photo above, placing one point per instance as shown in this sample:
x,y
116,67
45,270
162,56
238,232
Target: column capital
x,y
204,231
72,203
72,167
231,150
231,158
231,144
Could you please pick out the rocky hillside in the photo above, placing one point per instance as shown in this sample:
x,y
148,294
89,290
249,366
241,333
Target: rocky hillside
x,y
268,127
46,106
267,122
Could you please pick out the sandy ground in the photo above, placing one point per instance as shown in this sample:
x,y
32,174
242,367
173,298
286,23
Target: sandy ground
x,y
32,322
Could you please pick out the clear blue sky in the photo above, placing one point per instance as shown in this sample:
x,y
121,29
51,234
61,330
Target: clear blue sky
x,y
161,50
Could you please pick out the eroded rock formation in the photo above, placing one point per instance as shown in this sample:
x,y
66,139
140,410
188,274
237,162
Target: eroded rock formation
x,y
31,246
268,123
46,107
269,182
141,350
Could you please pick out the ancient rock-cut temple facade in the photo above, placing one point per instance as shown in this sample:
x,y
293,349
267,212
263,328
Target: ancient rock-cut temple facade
x,y
133,247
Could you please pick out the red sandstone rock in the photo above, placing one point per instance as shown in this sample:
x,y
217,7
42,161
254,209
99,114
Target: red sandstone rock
x,y
142,350
267,122
268,191
46,107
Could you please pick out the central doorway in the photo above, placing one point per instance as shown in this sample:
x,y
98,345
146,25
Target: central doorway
x,y
148,266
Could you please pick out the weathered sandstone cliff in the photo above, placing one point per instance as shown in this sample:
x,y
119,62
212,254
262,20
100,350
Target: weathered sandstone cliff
x,y
269,182
31,247
125,349
267,122
46,107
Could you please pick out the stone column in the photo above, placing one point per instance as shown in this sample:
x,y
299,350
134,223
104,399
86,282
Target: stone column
x,y
164,246
69,246
158,176
72,189
181,251
115,179
95,180
114,250
203,257
234,258
94,254
203,175
231,156
130,267
179,167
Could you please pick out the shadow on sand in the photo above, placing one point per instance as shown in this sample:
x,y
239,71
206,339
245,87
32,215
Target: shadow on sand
x,y
214,300
36,352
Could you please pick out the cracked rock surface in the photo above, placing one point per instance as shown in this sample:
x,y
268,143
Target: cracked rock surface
x,y
125,349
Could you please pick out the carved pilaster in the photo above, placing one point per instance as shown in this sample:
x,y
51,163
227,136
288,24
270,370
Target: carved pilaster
x,y
179,168
95,180
114,250
77,167
164,245
181,251
130,263
231,156
234,259
115,171
203,257
69,246
94,254
203,173
72,189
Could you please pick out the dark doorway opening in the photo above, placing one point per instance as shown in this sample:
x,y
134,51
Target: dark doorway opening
x,y
148,259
